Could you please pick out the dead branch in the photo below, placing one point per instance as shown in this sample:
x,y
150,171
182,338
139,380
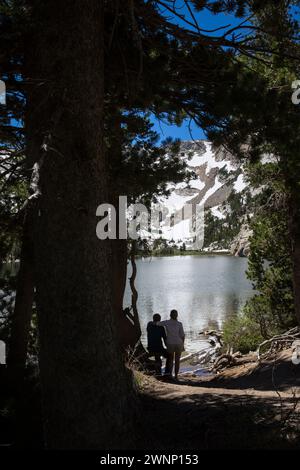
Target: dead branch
x,y
284,338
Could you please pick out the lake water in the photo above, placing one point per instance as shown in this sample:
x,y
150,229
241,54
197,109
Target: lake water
x,y
204,289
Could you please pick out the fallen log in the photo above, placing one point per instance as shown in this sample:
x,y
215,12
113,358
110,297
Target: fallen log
x,y
225,360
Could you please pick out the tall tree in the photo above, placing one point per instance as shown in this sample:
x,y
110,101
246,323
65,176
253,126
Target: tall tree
x,y
85,386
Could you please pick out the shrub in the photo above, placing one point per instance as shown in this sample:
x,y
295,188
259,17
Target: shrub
x,y
242,333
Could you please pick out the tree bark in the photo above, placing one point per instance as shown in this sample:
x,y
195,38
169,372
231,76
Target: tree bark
x,y
129,330
86,389
134,293
126,331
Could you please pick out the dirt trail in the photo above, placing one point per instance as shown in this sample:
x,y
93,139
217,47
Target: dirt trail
x,y
247,406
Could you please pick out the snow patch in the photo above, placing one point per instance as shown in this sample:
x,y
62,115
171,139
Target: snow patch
x,y
197,184
208,158
239,184
179,231
175,201
217,213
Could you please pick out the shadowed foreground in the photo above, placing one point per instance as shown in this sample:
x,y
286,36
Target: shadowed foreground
x,y
236,409
248,406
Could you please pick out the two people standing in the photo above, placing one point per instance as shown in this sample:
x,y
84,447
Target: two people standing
x,y
166,339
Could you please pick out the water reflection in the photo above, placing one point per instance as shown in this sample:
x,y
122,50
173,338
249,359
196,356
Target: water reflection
x,y
204,289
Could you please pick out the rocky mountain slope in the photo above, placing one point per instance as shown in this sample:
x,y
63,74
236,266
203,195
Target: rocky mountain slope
x,y
219,186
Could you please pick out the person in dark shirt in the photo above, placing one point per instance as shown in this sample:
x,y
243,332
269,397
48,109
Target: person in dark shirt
x,y
156,341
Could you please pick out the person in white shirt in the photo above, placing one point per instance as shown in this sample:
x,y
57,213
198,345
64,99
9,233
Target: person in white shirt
x,y
175,343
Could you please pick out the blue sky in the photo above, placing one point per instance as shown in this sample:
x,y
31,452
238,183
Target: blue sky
x,y
182,132
206,21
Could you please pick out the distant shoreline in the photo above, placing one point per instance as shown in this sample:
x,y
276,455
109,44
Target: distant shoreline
x,y
185,253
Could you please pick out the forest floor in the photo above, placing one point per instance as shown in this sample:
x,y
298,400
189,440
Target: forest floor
x,y
248,406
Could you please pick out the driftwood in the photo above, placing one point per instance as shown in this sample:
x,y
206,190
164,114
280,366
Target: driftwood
x,y
217,360
275,343
207,356
226,360
204,358
189,356
213,336
285,339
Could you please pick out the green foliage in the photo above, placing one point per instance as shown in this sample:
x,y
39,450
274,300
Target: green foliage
x,y
263,121
221,232
7,299
13,194
161,248
144,167
270,262
7,302
271,310
270,269
242,333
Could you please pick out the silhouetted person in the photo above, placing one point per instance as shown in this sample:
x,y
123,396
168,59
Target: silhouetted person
x,y
175,342
156,335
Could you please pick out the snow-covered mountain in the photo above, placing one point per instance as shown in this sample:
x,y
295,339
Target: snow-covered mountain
x,y
207,188
207,213
218,176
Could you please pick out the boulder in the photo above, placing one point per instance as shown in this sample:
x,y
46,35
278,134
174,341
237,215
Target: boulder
x,y
241,244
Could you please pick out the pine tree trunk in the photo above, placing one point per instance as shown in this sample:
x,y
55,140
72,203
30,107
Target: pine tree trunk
x,y
86,388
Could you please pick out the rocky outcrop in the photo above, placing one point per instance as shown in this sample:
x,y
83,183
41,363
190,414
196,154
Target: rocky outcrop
x,y
219,197
221,153
216,178
241,244
194,146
